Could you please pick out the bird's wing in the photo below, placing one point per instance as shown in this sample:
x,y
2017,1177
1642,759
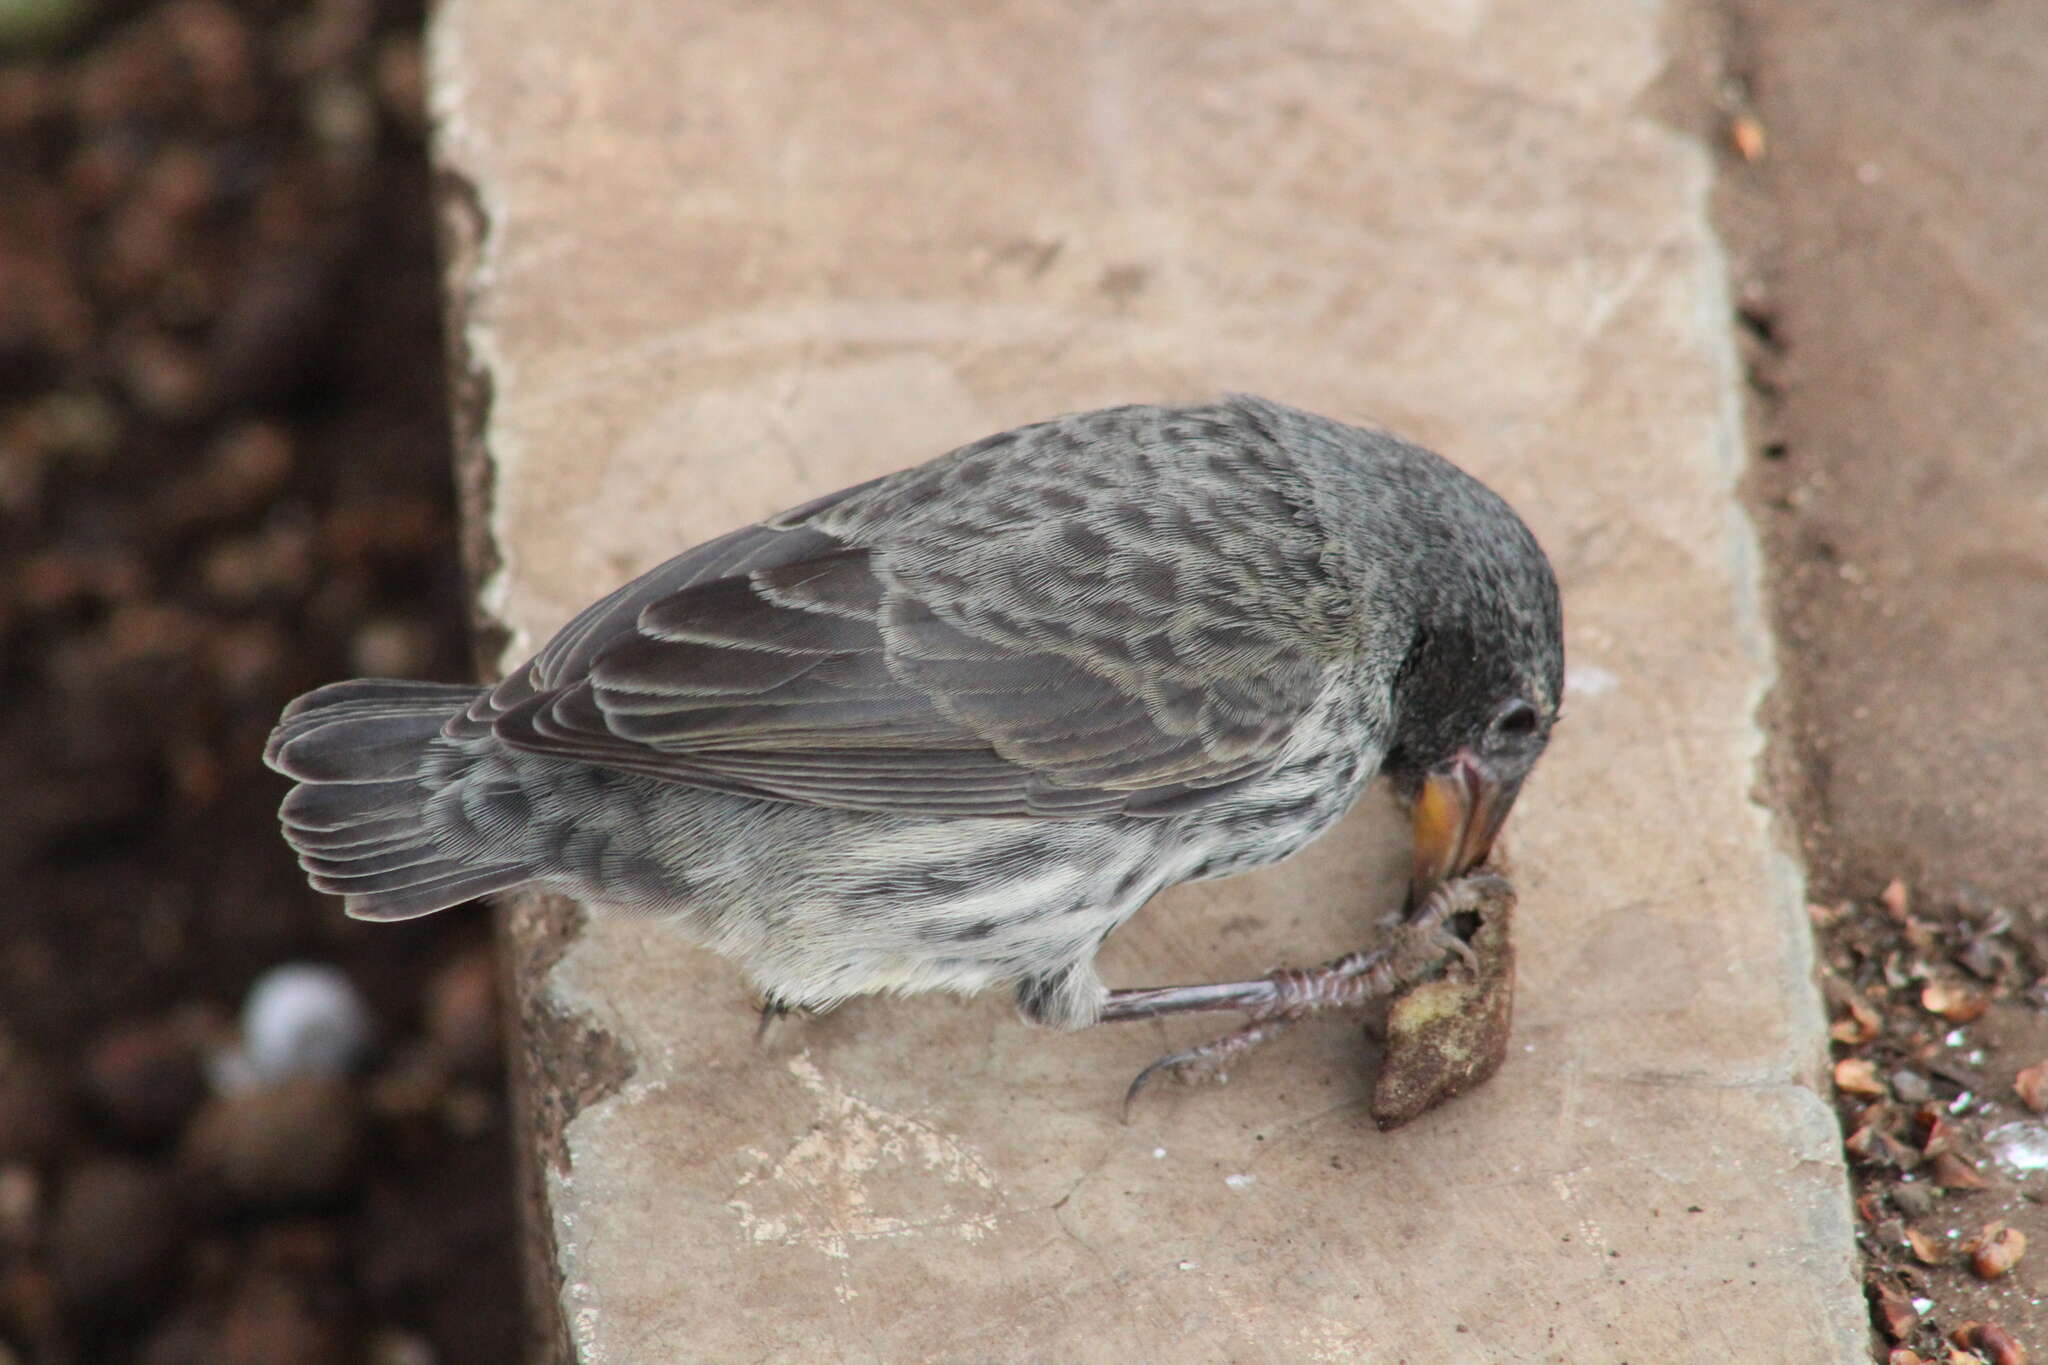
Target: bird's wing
x,y
992,635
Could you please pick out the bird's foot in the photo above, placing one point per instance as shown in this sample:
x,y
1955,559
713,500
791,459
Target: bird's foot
x,y
1425,940
775,1013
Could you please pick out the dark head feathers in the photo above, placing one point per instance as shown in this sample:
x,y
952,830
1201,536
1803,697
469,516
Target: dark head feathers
x,y
1482,663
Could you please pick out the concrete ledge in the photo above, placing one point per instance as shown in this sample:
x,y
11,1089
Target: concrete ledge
x,y
718,258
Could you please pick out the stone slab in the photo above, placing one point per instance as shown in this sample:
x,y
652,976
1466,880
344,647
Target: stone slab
x,y
724,256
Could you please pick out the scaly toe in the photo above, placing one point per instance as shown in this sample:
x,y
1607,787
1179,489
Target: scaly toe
x,y
1208,1061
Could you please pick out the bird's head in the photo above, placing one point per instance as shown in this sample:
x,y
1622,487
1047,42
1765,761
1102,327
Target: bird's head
x,y
1479,688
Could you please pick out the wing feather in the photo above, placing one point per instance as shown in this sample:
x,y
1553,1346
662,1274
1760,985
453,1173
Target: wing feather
x,y
989,634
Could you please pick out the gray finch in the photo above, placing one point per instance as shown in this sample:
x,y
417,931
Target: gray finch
x,y
951,727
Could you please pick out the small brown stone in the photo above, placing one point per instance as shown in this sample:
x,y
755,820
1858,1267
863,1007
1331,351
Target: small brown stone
x,y
1746,135
1937,1134
165,377
1872,1145
2032,1086
411,1084
21,1207
1996,1250
1448,1035
146,1077
1927,1248
1894,1310
271,1319
1990,1342
116,1225
462,1012
283,1145
391,1347
401,82
1896,901
276,560
1951,1172
1952,1002
1915,1198
1858,1076
391,647
248,466
1859,1023
28,1304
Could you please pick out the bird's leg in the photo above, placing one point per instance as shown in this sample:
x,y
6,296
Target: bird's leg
x,y
1419,945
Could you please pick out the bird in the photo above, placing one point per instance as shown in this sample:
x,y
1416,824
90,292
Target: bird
x,y
949,728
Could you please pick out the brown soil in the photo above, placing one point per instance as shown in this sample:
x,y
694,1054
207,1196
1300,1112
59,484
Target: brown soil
x,y
223,479
1883,193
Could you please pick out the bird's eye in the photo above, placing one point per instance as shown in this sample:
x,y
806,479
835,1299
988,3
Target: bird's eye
x,y
1516,720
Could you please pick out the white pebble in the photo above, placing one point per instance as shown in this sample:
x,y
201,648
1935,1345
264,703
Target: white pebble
x,y
2021,1147
301,1019
1238,1182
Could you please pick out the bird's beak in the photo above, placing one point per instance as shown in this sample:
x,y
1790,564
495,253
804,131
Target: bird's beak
x,y
1456,818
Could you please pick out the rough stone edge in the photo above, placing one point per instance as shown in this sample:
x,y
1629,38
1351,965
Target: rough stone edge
x,y
1707,53
558,1061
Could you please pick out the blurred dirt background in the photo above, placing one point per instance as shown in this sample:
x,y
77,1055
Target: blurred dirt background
x,y
224,478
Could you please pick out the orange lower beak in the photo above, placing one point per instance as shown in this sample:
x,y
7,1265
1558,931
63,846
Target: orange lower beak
x,y
1456,818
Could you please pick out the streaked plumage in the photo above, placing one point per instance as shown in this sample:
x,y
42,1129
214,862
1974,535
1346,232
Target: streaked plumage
x,y
951,727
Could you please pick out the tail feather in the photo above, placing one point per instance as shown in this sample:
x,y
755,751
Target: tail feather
x,y
366,872
342,807
457,696
427,897
358,818
373,744
369,835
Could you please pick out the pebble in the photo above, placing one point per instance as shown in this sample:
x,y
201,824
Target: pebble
x,y
391,647
1910,1086
280,1146
115,1228
21,1206
412,1084
462,1012
2021,1147
392,1347
275,561
146,1077
301,1019
271,1320
28,1305
164,377
1915,1198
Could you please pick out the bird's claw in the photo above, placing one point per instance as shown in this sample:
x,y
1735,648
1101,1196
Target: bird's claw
x,y
1425,944
774,1012
1208,1061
